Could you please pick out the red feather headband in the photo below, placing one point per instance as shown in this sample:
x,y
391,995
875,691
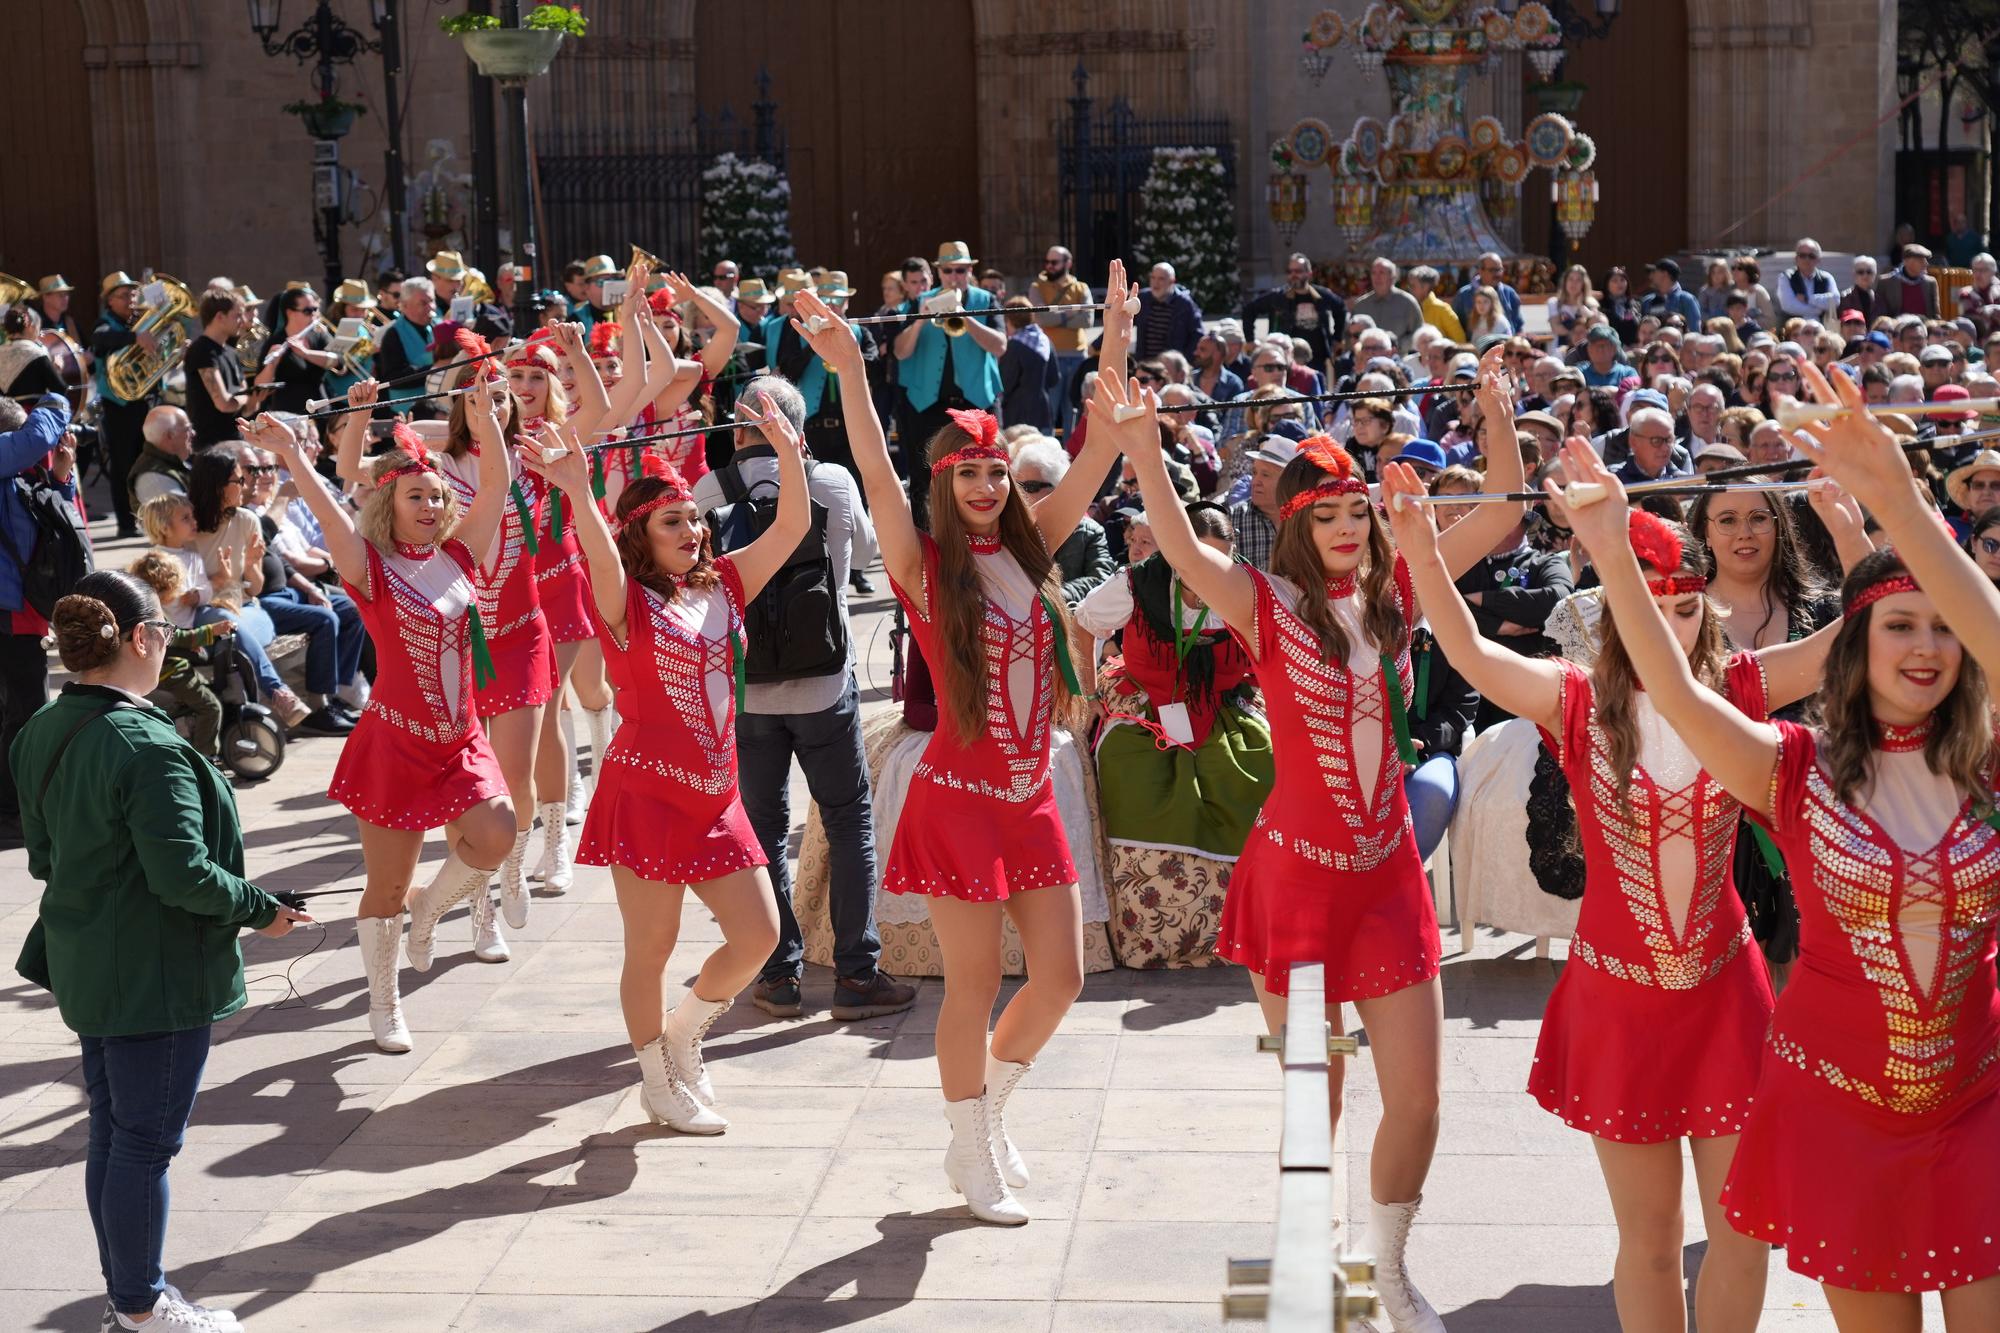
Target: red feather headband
x,y
677,489
413,445
539,353
1340,479
472,344
1656,544
662,303
1875,592
984,428
606,340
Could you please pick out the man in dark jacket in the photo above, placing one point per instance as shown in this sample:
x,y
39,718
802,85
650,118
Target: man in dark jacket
x,y
1300,308
1169,319
26,440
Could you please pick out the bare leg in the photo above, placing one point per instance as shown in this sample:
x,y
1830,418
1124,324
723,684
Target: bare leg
x,y
586,677
514,734
1645,1184
391,856
483,834
1274,1022
747,910
969,937
1729,1289
552,756
1050,922
1882,1311
1406,1034
1973,1307
651,912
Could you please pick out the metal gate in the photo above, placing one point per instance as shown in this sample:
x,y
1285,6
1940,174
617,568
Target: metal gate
x,y
1103,157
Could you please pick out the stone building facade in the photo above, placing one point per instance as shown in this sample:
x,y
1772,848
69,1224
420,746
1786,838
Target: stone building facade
x,y
159,141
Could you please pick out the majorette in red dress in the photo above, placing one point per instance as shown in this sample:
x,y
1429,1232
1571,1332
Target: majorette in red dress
x,y
1873,1149
517,637
980,821
666,806
418,758
1655,1030
1331,873
562,582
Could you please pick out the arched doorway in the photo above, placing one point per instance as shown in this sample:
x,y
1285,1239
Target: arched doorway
x,y
46,157
1636,109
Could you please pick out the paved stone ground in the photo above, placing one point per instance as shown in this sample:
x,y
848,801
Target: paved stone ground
x,y
501,1176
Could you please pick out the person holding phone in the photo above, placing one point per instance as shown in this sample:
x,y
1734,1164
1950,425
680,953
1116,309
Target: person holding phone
x,y
136,839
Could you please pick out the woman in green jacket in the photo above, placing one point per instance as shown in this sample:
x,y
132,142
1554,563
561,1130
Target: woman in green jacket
x,y
135,837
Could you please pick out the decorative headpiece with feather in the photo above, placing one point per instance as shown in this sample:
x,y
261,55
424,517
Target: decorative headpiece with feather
x,y
984,428
1340,479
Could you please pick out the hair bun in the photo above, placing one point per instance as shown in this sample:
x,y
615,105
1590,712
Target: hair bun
x,y
85,631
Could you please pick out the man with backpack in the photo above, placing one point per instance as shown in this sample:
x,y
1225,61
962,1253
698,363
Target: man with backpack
x,y
34,453
800,700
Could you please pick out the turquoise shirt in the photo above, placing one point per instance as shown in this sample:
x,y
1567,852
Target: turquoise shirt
x,y
976,370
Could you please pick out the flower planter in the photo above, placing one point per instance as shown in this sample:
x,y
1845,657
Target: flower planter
x,y
329,121
512,55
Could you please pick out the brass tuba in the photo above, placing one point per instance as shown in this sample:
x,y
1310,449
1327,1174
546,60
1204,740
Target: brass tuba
x,y
13,291
133,372
249,344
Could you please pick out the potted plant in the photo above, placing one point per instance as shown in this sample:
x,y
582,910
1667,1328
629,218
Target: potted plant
x,y
326,117
1562,97
515,54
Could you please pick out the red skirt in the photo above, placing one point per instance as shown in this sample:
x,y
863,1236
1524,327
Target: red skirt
x,y
524,670
564,589
673,834
1865,1198
1639,1064
396,780
954,844
1376,930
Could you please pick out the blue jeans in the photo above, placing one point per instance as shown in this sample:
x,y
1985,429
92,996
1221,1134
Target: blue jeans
x,y
1432,789
828,747
334,637
141,1092
254,633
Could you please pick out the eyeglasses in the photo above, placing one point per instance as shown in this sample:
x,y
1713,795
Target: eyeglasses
x,y
1756,522
165,627
235,479
1147,378
1036,487
257,468
1783,376
1652,439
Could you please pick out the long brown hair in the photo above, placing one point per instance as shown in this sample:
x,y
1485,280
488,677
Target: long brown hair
x,y
635,549
1295,558
1790,579
958,601
1961,741
458,434
1614,684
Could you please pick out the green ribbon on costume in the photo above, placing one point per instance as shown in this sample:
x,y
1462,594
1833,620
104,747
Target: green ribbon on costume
x,y
1424,679
1056,626
736,667
1774,860
1184,642
555,517
482,656
597,476
1991,819
521,513
1392,686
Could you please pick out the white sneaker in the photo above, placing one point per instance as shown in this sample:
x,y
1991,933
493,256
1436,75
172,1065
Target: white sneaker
x,y
665,1097
1002,1076
454,883
380,938
685,1028
513,888
227,1318
172,1315
488,944
970,1167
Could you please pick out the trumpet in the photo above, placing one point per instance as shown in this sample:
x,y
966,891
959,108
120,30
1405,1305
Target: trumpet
x,y
1793,414
133,372
363,348
641,255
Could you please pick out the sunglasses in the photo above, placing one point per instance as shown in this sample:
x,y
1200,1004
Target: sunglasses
x,y
1783,376
1267,366
955,268
1036,487
258,468
1152,379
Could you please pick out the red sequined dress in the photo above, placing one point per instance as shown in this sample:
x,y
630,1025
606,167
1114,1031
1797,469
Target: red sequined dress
x,y
1331,873
666,807
980,822
562,579
1655,1030
418,758
1873,1151
517,637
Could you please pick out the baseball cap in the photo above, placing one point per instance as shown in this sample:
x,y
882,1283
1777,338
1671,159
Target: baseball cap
x,y
1429,453
1647,398
1289,429
1853,314
1540,419
1463,368
1877,338
1275,449
1934,355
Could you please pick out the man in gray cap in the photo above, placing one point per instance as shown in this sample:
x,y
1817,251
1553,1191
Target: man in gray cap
x,y
1256,518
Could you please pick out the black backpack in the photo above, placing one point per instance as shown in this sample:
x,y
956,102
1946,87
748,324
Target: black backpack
x,y
793,629
61,552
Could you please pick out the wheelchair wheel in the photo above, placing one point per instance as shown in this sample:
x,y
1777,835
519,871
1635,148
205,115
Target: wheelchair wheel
x,y
253,744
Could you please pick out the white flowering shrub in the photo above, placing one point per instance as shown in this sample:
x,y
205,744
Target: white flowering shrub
x,y
746,215
1187,219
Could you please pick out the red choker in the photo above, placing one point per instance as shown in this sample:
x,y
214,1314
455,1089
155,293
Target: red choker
x,y
416,550
1902,740
984,545
1342,587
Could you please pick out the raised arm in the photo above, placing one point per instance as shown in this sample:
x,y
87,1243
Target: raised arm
x,y
592,404
715,353
888,505
1214,577
351,436
757,562
343,542
668,382
1866,458
1738,752
1473,536
1529,687
479,526
560,459
1120,303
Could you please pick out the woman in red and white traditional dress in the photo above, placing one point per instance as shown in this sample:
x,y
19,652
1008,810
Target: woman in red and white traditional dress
x,y
419,758
980,833
1655,1031
1875,1132
666,813
1331,874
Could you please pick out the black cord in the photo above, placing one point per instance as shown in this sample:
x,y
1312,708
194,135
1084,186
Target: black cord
x,y
291,987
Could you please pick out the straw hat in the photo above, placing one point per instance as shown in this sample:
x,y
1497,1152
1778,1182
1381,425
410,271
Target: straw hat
x,y
1955,482
752,290
447,264
113,281
955,252
353,292
600,266
53,284
834,286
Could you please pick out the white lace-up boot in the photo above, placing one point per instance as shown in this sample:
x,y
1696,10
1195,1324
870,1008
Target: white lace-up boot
x,y
970,1166
380,938
454,883
665,1096
554,871
686,1026
599,725
513,888
1001,1078
489,944
1389,1237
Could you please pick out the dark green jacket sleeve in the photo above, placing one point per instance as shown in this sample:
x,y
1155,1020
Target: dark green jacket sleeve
x,y
162,798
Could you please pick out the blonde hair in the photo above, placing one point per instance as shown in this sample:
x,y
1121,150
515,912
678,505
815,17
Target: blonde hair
x,y
161,571
156,514
377,519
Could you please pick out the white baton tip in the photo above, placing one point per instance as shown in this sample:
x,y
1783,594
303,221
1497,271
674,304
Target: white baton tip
x,y
815,323
1127,411
1579,494
1132,305
555,452
1401,501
